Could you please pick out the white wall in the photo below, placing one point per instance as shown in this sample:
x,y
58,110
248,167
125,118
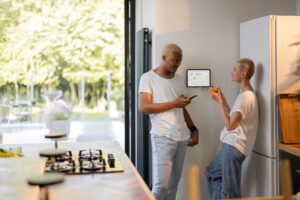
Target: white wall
x,y
298,7
208,32
145,18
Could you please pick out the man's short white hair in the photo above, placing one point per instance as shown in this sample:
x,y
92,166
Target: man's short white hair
x,y
171,48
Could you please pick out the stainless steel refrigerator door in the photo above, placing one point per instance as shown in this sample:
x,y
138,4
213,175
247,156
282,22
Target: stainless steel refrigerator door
x,y
257,43
259,176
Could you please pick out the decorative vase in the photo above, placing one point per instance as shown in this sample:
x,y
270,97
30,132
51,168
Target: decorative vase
x,y
59,126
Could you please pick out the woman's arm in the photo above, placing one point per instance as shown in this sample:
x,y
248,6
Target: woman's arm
x,y
230,122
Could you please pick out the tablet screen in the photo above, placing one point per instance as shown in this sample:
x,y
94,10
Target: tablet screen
x,y
198,77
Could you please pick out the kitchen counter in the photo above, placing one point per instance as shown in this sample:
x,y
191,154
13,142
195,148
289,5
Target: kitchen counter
x,y
267,198
290,148
13,177
127,185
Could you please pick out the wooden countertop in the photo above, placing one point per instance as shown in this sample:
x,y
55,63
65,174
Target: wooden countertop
x,y
268,198
290,148
14,173
127,185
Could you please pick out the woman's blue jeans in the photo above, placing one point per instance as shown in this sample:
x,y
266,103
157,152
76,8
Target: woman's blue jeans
x,y
224,173
168,156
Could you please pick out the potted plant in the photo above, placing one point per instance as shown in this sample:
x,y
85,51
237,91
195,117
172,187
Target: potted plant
x,y
57,114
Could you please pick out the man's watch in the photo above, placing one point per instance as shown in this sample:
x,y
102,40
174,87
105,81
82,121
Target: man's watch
x,y
193,128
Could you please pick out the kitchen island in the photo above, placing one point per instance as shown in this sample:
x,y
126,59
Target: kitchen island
x,y
126,185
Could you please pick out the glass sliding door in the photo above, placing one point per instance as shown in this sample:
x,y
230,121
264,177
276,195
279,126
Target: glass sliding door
x,y
63,59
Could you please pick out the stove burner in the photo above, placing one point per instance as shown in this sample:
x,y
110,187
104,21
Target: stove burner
x,y
90,155
66,157
93,165
59,166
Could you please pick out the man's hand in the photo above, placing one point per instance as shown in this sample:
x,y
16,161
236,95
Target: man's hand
x,y
193,138
182,101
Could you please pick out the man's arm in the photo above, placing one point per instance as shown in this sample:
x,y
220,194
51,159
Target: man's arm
x,y
147,107
191,126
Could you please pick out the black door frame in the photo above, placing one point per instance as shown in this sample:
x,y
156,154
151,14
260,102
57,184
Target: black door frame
x,y
130,79
143,145
137,138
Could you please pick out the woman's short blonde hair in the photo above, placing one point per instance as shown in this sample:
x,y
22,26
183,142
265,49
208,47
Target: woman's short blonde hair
x,y
171,48
247,65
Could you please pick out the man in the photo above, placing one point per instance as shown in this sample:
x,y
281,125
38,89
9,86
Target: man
x,y
238,135
161,95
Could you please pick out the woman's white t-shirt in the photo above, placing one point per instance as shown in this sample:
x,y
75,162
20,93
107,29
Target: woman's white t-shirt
x,y
243,136
170,123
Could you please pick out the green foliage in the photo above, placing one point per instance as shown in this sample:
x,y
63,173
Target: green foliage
x,y
6,153
57,39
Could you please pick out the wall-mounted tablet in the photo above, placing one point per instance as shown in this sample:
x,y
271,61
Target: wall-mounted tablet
x,y
198,77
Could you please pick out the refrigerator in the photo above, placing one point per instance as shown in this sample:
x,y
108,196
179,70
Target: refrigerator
x,y
273,43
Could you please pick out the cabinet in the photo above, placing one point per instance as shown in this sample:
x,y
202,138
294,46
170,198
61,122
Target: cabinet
x,y
292,152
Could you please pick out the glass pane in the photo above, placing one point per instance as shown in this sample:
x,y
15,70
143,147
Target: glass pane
x,y
62,60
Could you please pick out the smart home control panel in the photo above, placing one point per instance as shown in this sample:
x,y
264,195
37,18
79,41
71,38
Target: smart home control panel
x,y
198,77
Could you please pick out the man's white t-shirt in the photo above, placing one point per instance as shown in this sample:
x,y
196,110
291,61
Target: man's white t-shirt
x,y
243,136
170,123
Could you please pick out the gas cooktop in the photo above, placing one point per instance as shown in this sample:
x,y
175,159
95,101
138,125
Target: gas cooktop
x,y
85,162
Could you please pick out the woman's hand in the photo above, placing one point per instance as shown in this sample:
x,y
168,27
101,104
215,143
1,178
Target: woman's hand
x,y
217,96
